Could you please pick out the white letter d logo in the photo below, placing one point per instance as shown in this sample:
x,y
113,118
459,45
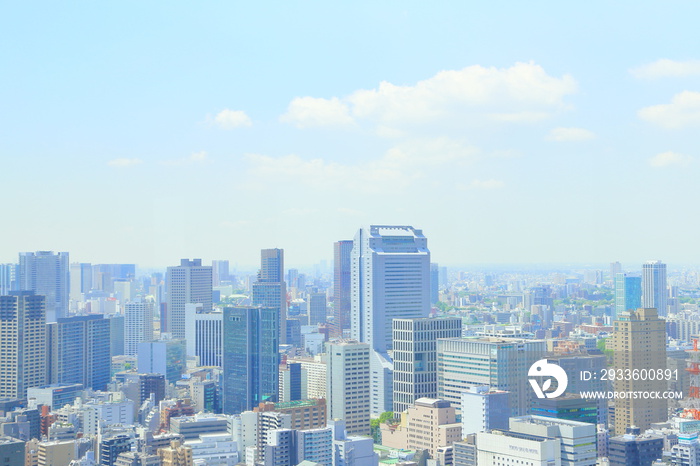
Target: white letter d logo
x,y
542,368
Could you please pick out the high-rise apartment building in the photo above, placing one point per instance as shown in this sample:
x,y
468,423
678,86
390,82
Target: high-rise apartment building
x,y
628,293
138,325
78,351
190,282
654,292
348,384
23,335
639,345
390,279
46,273
415,357
270,289
341,286
499,363
251,361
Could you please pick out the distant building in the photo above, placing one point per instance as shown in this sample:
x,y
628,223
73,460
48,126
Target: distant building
x,y
251,365
190,282
78,350
654,287
628,293
138,325
317,308
46,273
341,286
163,357
270,289
23,335
56,395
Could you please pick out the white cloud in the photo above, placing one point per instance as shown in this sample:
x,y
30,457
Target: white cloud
x,y
397,169
683,111
483,185
124,162
230,119
195,157
666,68
522,93
306,112
666,159
569,134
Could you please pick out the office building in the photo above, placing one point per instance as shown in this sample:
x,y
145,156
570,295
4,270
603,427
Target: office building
x,y
270,289
594,364
46,273
487,410
188,283
639,343
348,384
111,448
116,334
635,449
78,351
163,357
56,452
251,364
204,335
138,325
687,451
292,384
654,291
317,308
577,439
11,451
390,279
80,282
415,357
568,407
23,335
428,424
502,364
342,251
350,450
628,293
314,384
509,448
303,414
57,395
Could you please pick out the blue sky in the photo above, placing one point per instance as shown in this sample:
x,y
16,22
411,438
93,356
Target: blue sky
x,y
510,132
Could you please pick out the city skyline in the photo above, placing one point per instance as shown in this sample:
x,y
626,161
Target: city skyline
x,y
510,135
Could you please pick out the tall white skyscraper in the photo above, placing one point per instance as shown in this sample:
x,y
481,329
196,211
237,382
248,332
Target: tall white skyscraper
x,y
654,292
138,325
390,279
188,283
46,273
